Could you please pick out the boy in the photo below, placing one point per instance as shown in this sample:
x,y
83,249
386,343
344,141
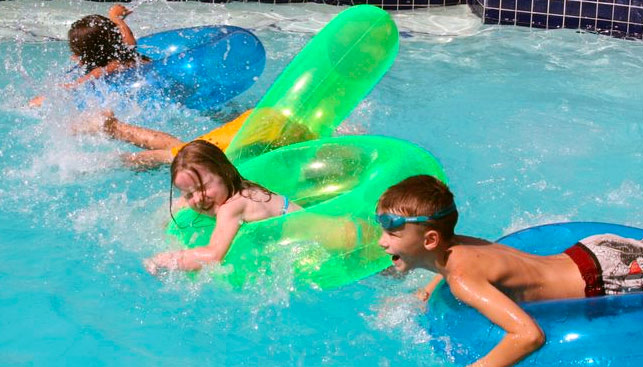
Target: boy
x,y
418,216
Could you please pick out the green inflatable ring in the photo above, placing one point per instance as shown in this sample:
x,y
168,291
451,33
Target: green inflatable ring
x,y
322,84
333,240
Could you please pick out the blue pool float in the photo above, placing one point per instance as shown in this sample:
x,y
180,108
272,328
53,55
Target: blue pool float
x,y
599,331
199,67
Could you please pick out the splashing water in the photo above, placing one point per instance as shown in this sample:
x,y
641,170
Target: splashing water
x,y
531,126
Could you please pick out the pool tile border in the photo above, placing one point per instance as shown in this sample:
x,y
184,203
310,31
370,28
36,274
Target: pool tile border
x,y
617,18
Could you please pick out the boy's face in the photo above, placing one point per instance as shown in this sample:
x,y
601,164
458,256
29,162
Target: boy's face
x,y
405,244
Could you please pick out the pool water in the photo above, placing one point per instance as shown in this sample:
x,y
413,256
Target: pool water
x,y
531,126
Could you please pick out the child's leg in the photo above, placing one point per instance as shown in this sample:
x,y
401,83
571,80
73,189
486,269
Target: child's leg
x,y
139,136
148,159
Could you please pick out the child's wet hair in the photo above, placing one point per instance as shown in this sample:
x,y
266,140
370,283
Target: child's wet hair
x,y
420,195
97,41
212,159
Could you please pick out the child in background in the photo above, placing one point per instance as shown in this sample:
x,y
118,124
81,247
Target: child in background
x,y
160,146
211,185
101,46
418,216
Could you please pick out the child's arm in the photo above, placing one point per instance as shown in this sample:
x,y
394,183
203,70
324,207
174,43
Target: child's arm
x,y
228,224
117,14
425,293
523,335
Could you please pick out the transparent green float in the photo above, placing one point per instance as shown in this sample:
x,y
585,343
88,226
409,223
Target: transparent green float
x,y
322,84
333,240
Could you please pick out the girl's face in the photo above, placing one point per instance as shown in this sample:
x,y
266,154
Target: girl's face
x,y
205,196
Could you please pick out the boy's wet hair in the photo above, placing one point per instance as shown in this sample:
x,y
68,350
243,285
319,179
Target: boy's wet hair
x,y
97,41
420,195
209,157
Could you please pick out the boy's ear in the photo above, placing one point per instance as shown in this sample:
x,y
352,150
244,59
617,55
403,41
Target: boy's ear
x,y
431,239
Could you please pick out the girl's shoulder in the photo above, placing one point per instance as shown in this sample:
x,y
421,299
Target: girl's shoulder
x,y
257,194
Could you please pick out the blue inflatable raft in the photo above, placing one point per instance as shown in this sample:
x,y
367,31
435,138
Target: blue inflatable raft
x,y
599,331
199,67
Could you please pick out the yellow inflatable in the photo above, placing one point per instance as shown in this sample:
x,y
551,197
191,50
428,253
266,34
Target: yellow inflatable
x,y
222,135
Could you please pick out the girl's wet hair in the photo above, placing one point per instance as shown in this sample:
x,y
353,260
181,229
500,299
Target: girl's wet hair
x,y
97,41
209,157
420,195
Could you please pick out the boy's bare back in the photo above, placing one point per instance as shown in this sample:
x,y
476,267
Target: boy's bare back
x,y
521,276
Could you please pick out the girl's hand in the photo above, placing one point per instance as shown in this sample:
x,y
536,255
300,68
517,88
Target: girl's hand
x,y
164,260
118,11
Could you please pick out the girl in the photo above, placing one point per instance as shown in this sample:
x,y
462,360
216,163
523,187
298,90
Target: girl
x,y
211,185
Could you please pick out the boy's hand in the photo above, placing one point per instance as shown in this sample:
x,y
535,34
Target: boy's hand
x,y
118,11
36,101
423,294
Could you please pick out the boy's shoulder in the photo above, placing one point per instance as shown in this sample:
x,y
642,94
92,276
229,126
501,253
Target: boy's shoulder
x,y
469,255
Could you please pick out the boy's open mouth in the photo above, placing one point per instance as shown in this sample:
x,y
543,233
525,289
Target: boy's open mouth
x,y
395,257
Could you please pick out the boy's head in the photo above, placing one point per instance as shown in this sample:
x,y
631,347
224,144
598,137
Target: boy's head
x,y
427,205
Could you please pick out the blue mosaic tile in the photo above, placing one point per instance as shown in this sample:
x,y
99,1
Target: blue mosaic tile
x,y
588,10
523,19
508,4
572,8
507,17
620,13
556,7
555,21
572,22
491,16
635,30
540,6
618,18
605,11
603,25
587,23
620,27
539,21
524,5
636,15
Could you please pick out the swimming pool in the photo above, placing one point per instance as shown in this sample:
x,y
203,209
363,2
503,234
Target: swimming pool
x,y
531,126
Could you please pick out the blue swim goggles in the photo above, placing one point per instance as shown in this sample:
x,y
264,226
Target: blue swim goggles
x,y
390,221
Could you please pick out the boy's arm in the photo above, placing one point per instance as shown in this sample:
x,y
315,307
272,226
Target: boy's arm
x,y
425,293
117,14
523,335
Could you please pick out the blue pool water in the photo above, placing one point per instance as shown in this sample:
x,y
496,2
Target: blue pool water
x,y
531,126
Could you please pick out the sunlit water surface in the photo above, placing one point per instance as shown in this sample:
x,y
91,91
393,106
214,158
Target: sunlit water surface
x,y
531,126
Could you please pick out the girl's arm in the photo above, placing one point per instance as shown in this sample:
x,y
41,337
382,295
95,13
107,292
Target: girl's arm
x,y
523,335
117,14
228,224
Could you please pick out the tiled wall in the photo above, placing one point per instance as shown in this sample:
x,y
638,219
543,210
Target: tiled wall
x,y
396,4
385,4
618,18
